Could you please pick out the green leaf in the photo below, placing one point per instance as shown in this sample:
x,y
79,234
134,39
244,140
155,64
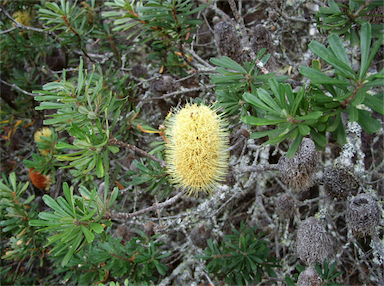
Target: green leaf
x,y
365,44
294,146
271,133
255,101
99,167
260,121
317,77
304,129
113,197
318,138
228,63
96,227
53,204
264,96
321,51
338,48
353,114
369,124
311,116
374,103
88,234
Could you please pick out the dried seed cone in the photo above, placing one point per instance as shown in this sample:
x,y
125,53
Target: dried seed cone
x,y
363,215
339,182
309,277
313,242
298,172
227,42
284,206
196,151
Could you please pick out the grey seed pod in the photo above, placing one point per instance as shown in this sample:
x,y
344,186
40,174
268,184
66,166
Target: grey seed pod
x,y
363,215
227,42
309,277
261,38
284,206
165,84
124,233
199,236
339,182
298,172
313,243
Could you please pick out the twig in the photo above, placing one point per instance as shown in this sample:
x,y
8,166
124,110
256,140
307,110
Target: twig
x,y
138,150
179,92
19,89
154,207
257,168
18,25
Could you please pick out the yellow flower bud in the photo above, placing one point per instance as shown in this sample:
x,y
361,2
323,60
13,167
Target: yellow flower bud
x,y
42,132
23,17
196,151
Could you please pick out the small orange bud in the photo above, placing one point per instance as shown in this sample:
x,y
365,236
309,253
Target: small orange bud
x,y
40,181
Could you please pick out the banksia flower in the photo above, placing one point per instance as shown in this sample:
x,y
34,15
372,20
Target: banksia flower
x,y
313,242
43,132
298,172
363,215
39,180
23,17
196,151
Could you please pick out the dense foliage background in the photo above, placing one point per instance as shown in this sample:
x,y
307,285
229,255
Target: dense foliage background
x,y
86,94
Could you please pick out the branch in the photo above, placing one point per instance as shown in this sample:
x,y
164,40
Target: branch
x,y
179,92
138,150
154,207
18,25
257,168
14,86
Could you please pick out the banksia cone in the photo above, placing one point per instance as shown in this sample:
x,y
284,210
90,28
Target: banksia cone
x,y
39,180
339,182
227,42
196,151
363,215
284,206
298,172
309,277
313,242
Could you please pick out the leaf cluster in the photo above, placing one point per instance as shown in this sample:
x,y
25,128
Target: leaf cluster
x,y
16,211
233,80
166,25
74,222
151,174
138,259
241,258
317,109
340,19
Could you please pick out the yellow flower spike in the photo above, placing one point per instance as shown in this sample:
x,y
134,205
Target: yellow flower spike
x,y
42,132
196,151
23,17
